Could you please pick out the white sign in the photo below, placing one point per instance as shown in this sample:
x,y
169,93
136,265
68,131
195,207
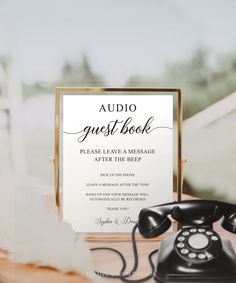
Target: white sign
x,y
117,158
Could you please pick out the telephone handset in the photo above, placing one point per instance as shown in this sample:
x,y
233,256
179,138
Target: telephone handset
x,y
196,253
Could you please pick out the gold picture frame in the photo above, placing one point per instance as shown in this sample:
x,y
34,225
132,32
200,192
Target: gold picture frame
x,y
75,90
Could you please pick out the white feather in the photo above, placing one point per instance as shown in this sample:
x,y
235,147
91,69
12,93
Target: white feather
x,y
31,233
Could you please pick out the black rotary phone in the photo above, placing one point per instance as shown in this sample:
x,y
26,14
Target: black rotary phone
x,y
196,253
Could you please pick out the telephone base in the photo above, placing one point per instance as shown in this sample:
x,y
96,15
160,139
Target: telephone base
x,y
173,269
194,279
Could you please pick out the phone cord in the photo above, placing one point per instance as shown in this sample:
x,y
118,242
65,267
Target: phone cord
x,y
124,277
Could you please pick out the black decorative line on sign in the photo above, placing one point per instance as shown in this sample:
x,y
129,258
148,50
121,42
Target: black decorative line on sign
x,y
75,133
161,127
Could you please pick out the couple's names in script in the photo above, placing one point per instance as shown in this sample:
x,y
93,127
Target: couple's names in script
x,y
117,221
124,127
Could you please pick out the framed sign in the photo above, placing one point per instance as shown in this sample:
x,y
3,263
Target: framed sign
x,y
115,154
